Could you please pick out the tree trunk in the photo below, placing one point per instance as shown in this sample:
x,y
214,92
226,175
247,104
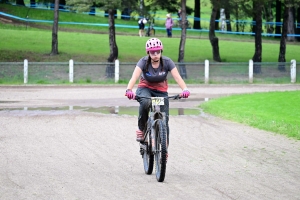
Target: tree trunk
x,y
258,31
282,50
214,41
291,25
298,24
217,19
20,2
110,69
182,68
278,19
228,22
255,12
197,14
54,50
106,13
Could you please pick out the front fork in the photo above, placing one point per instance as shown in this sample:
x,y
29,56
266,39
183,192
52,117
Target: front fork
x,y
155,117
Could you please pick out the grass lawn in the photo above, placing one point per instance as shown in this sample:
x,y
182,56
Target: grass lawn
x,y
272,111
35,45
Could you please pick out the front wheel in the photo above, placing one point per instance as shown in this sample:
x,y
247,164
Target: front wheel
x,y
161,151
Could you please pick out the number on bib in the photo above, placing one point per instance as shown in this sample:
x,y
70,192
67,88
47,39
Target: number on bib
x,y
158,101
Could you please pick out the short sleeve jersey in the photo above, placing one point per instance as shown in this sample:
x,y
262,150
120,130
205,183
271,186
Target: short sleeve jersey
x,y
155,78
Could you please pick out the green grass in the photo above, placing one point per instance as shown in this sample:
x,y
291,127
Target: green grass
x,y
84,47
272,111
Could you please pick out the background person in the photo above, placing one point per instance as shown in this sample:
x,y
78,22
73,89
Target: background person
x,y
169,25
142,23
152,71
179,14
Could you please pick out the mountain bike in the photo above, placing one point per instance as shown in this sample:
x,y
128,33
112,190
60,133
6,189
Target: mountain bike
x,y
154,146
150,30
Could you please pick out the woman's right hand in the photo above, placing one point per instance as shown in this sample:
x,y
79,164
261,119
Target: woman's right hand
x,y
130,94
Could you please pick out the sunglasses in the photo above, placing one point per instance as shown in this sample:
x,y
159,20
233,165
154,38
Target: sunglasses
x,y
155,52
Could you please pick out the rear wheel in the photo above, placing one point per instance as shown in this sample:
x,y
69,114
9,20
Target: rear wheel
x,y
148,157
161,151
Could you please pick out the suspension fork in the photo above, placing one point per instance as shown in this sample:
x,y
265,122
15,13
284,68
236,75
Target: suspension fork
x,y
155,117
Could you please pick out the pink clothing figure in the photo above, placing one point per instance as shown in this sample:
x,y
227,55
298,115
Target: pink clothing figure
x,y
169,25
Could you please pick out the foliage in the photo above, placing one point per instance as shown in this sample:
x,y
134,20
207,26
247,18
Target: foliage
x,y
291,3
85,5
170,6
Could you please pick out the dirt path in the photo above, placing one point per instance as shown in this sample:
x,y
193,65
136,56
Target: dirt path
x,y
79,155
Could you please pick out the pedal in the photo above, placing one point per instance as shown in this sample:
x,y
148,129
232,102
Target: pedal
x,y
143,148
141,151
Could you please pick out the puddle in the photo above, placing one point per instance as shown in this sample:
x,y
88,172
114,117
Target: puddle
x,y
119,110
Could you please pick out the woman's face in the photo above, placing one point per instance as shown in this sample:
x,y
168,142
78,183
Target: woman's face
x,y
155,55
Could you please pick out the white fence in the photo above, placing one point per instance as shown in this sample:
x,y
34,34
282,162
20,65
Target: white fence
x,y
206,71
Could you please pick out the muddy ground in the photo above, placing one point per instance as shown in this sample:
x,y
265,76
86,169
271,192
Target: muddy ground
x,y
73,154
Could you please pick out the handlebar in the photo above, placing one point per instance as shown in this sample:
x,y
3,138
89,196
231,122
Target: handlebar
x,y
175,97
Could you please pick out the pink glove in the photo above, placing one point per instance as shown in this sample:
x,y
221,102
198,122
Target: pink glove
x,y
130,94
185,93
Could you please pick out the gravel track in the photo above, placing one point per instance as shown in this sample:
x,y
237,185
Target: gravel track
x,y
80,155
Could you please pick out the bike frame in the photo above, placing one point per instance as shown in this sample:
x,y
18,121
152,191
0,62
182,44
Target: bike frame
x,y
155,115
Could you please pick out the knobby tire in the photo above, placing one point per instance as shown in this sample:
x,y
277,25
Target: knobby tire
x,y
148,157
161,154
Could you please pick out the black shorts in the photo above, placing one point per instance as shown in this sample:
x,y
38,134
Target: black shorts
x,y
142,26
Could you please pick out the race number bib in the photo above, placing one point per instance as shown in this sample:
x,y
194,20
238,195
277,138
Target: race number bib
x,y
158,101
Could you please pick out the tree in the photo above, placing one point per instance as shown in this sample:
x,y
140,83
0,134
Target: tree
x,y
278,18
182,68
214,41
170,6
54,50
288,5
20,2
291,24
197,14
257,57
282,49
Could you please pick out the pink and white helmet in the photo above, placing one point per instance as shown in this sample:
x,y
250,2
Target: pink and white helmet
x,y
154,44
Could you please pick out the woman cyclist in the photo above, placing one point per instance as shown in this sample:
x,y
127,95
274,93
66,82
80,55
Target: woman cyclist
x,y
152,70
